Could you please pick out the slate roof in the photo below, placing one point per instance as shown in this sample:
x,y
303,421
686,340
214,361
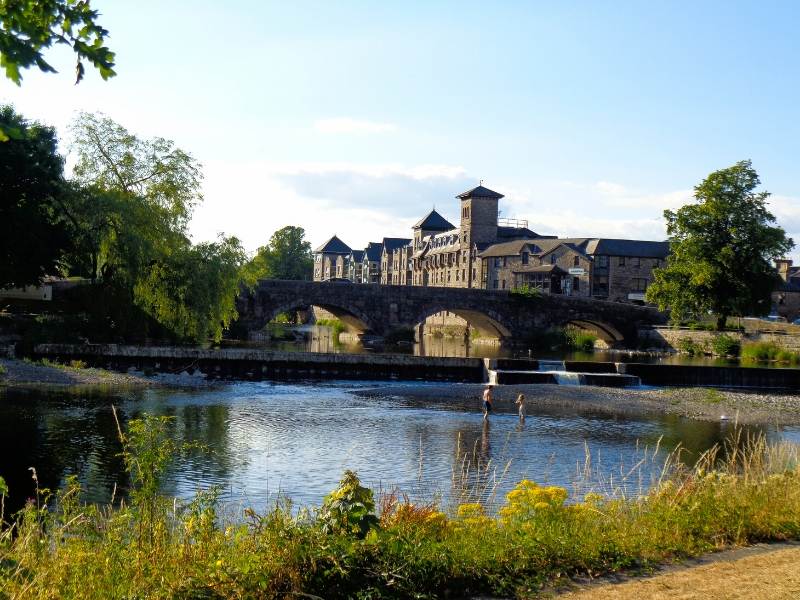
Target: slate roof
x,y
642,248
509,248
479,192
373,251
357,255
433,221
516,233
334,246
392,244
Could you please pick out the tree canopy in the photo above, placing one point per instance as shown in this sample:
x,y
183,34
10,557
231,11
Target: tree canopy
x,y
28,27
286,256
722,250
32,235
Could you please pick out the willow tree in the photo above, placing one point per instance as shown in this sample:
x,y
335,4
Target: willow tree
x,y
722,250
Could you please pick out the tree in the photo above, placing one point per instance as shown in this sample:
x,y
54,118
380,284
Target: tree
x,y
722,250
27,27
109,157
286,256
32,236
193,292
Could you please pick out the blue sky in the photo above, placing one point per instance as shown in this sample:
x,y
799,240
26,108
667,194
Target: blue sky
x,y
357,117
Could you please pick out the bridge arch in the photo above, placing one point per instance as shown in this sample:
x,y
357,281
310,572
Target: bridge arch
x,y
487,322
605,331
353,319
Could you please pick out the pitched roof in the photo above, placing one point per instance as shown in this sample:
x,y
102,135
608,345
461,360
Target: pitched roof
x,y
479,192
373,251
433,221
641,248
334,246
512,248
516,233
358,255
393,243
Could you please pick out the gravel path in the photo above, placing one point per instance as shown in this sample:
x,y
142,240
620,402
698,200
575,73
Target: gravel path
x,y
698,403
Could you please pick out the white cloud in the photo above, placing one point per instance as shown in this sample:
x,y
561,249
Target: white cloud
x,y
349,125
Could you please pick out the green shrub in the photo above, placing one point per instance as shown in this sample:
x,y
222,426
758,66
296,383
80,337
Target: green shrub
x,y
349,509
526,291
335,325
725,345
77,364
579,339
691,347
3,372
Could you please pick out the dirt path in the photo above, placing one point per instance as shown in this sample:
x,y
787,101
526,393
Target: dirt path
x,y
763,572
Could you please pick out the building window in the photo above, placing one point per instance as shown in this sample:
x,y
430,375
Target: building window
x,y
602,262
576,262
621,261
636,261
552,259
524,258
497,262
504,284
505,261
639,284
457,275
494,284
601,286
576,284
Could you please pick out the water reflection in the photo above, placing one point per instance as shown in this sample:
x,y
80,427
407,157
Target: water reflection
x,y
265,439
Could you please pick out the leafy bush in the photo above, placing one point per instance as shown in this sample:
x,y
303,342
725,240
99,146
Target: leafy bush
x,y
77,364
349,509
526,291
579,339
690,346
725,345
335,325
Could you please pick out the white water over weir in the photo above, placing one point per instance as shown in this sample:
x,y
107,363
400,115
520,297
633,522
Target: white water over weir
x,y
558,370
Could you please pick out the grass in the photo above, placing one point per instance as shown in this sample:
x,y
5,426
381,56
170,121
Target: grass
x,y
356,547
580,340
768,352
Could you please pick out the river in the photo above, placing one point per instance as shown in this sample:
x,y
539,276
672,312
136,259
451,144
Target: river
x,y
263,440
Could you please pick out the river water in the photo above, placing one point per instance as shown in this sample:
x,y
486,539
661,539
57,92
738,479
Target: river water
x,y
267,439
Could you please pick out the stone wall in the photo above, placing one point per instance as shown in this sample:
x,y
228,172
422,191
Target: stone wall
x,y
672,338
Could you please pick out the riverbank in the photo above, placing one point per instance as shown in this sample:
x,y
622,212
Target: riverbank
x,y
15,372
697,403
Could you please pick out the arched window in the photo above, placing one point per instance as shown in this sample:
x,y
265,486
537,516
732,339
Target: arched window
x,y
577,261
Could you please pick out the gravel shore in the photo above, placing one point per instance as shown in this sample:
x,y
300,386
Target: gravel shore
x,y
746,407
27,373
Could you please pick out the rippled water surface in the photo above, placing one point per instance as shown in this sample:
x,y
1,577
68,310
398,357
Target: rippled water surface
x,y
265,439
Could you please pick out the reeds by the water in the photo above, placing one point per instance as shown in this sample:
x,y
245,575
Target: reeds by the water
x,y
743,491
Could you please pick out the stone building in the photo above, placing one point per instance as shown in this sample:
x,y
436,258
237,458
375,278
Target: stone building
x,y
330,259
786,299
487,252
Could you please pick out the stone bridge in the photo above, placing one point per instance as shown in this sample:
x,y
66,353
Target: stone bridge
x,y
379,309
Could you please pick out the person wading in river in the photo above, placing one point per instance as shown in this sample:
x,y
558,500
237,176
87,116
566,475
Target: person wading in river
x,y
521,404
487,401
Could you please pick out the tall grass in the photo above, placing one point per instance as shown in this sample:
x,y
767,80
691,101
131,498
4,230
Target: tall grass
x,y
355,546
769,352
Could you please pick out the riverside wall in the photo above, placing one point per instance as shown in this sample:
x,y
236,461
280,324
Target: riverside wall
x,y
667,337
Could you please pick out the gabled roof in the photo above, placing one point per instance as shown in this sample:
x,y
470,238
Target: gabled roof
x,y
391,244
433,221
540,269
577,248
357,255
334,246
373,251
479,192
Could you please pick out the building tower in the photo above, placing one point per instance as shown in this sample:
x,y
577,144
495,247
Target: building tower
x,y
478,223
